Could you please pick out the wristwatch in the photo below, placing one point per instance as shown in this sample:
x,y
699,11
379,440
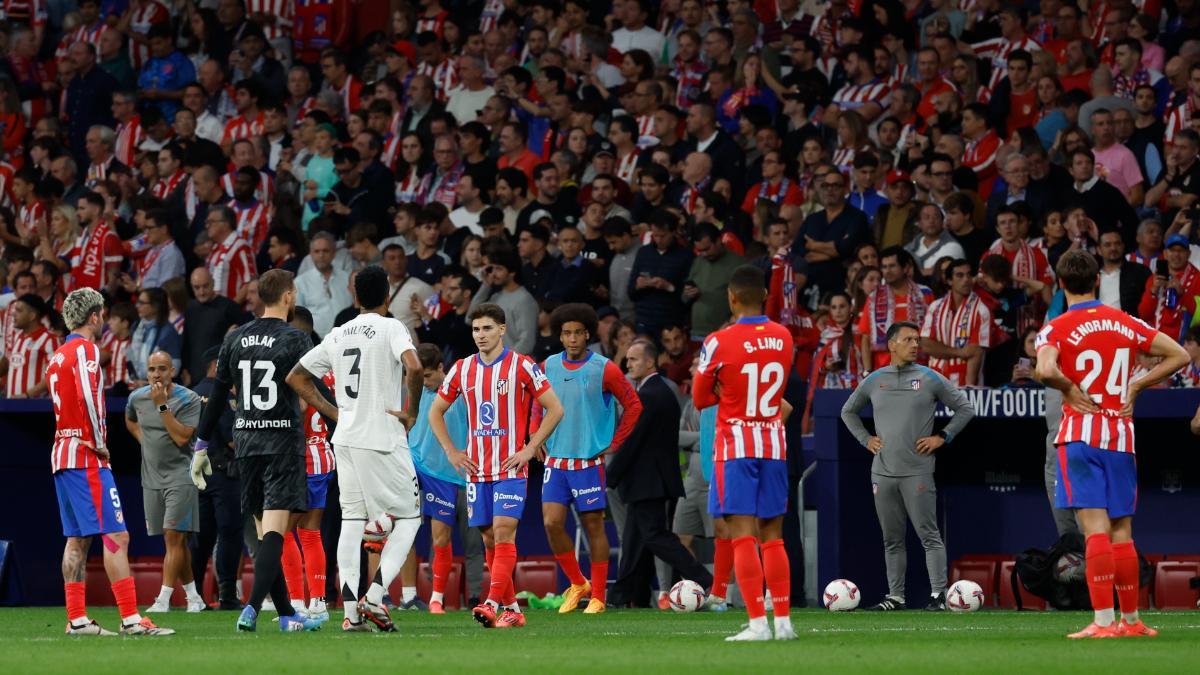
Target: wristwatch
x,y
944,434
163,408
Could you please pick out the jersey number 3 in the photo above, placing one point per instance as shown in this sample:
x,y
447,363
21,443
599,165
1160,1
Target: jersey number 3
x,y
771,378
251,399
353,371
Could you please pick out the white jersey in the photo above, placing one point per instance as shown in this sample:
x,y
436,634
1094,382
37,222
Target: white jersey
x,y
365,356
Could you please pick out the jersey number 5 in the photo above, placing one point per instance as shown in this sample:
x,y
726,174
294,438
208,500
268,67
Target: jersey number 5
x,y
267,381
1118,374
771,377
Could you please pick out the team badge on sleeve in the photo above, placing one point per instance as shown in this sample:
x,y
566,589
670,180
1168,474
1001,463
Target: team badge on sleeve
x,y
1043,337
707,350
915,384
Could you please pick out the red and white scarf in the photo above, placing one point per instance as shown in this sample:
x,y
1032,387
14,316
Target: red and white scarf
x,y
1024,263
883,311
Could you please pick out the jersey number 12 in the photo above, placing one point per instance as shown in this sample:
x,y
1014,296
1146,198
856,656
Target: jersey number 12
x,y
770,377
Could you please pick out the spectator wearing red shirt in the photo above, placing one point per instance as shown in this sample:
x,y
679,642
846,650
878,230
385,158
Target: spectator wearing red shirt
x,y
1169,302
982,142
775,188
515,152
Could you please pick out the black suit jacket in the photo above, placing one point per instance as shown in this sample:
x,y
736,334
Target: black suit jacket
x,y
1132,285
423,126
728,160
647,466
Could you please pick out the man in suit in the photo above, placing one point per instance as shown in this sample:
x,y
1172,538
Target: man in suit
x,y
1122,282
728,160
646,475
422,106
1101,202
1019,189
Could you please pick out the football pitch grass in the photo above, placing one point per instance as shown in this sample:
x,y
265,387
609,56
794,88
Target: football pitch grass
x,y
637,642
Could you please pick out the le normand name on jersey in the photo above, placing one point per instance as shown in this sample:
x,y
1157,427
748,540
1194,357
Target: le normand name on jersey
x,y
1099,325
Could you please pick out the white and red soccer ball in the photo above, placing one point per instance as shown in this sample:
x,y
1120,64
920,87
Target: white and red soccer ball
x,y
841,595
1069,568
379,528
686,596
965,596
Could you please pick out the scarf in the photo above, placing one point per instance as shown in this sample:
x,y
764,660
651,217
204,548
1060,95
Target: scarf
x,y
1024,263
883,311
1125,87
688,199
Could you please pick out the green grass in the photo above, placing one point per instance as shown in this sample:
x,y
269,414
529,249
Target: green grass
x,y
637,642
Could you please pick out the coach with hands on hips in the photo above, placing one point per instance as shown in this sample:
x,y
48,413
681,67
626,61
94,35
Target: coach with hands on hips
x,y
904,397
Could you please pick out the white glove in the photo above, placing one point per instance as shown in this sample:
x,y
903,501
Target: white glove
x,y
201,467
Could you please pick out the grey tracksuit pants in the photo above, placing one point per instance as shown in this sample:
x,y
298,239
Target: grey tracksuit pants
x,y
1064,519
899,500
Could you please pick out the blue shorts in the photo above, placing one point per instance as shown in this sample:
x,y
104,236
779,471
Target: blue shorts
x,y
88,502
1092,478
749,487
318,489
585,487
439,499
489,499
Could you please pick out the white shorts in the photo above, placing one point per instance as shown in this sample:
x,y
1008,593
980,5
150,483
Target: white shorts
x,y
372,483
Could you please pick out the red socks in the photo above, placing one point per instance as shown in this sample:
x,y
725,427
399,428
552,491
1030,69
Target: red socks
x,y
1126,571
314,562
599,580
293,567
76,605
126,594
570,567
749,575
778,573
443,558
722,566
505,560
1101,571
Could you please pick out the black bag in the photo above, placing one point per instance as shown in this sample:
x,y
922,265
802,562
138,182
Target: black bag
x,y
1034,569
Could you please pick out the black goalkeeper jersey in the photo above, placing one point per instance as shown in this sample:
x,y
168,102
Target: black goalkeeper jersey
x,y
255,360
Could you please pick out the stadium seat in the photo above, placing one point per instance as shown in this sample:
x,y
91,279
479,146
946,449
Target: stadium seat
x,y
536,576
1172,584
453,596
982,572
1007,599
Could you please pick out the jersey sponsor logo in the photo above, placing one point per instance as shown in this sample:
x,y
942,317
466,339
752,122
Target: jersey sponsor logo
x,y
586,491
69,433
428,496
487,410
507,497
262,424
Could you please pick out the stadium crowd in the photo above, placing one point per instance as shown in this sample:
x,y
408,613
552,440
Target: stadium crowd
x,y
927,160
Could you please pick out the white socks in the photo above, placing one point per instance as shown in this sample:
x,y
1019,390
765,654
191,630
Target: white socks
x,y
1105,617
164,595
407,593
395,552
783,623
349,551
1131,618
436,597
760,624
190,589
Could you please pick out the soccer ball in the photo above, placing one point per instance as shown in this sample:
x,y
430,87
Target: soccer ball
x,y
379,528
841,595
1069,568
964,596
686,596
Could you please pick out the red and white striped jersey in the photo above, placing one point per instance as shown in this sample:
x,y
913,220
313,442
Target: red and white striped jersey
x,y
980,157
997,50
232,265
30,215
76,384
435,23
240,127
956,327
150,13
1097,350
1179,118
751,360
89,34
498,397
98,171
265,192
391,151
445,77
129,136
165,187
646,137
855,96
283,11
318,451
118,348
9,328
253,221
351,93
28,359
91,256
899,75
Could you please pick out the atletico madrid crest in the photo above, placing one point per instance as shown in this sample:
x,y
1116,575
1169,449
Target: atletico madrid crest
x,y
915,384
502,387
